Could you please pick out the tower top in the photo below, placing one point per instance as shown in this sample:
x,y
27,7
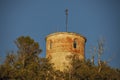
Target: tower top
x,y
66,33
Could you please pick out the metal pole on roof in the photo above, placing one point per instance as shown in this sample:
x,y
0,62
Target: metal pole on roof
x,y
66,19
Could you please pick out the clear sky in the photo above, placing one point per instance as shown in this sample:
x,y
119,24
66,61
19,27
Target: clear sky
x,y
38,18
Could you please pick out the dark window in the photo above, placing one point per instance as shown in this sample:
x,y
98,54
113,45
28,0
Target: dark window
x,y
75,43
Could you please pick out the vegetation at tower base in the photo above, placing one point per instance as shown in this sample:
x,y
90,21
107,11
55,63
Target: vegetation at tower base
x,y
85,70
26,64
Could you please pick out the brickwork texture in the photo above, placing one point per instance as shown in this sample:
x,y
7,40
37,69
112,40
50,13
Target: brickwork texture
x,y
59,45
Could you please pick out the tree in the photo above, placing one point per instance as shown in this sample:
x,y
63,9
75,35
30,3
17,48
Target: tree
x,y
85,70
28,57
25,63
28,49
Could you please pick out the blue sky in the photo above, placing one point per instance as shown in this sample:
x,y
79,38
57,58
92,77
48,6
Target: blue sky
x,y
38,18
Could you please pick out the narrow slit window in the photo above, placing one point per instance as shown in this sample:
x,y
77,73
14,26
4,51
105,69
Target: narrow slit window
x,y
75,43
50,44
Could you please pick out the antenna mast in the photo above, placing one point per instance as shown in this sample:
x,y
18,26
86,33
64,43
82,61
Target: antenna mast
x,y
66,19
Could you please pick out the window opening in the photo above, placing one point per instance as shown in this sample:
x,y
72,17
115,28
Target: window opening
x,y
50,44
75,43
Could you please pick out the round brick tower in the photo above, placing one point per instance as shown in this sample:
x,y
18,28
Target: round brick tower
x,y
59,45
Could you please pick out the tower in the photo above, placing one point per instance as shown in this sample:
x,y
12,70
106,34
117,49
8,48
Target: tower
x,y
59,45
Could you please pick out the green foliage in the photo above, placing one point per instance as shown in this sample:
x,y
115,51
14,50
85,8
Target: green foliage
x,y
25,64
85,70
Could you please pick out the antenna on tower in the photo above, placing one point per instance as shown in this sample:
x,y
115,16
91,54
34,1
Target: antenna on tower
x,y
66,19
